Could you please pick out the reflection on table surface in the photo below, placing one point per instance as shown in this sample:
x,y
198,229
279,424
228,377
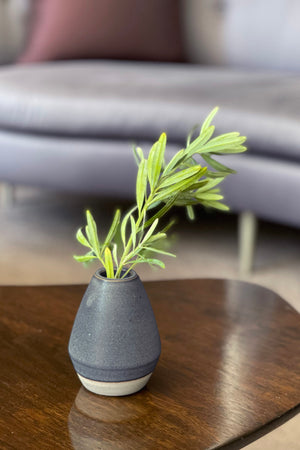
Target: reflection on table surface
x,y
106,422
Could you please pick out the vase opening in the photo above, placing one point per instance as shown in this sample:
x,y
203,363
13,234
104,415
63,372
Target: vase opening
x,y
101,273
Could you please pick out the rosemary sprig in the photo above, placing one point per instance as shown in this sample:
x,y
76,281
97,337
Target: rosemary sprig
x,y
159,186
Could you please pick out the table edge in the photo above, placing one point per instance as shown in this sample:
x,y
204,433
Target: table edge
x,y
148,282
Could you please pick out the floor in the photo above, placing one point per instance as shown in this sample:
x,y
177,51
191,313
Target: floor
x,y
37,241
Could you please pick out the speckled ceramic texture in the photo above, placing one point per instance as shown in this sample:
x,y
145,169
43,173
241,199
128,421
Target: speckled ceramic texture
x,y
115,336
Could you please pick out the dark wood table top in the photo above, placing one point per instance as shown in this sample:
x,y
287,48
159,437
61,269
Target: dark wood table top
x,y
228,372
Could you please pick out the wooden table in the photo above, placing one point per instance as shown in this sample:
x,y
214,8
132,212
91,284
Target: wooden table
x,y
228,373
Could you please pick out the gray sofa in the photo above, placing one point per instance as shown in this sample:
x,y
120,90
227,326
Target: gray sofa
x,y
71,125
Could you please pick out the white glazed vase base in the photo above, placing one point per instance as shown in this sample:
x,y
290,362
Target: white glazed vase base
x,y
114,389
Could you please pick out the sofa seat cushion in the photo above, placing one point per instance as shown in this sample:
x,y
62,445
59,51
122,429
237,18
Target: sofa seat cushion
x,y
84,165
267,186
117,100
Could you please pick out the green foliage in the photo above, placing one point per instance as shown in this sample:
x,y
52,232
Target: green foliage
x,y
160,186
108,263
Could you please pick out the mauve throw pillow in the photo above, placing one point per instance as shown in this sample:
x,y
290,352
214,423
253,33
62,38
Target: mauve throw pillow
x,y
118,29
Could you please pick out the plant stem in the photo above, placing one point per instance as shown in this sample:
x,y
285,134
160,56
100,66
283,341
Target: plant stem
x,y
140,218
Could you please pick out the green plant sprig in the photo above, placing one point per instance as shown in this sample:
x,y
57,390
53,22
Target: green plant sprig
x,y
159,187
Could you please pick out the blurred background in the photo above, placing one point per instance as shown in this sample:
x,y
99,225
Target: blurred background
x,y
243,55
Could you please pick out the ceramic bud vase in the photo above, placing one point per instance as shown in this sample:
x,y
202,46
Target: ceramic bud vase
x,y
114,344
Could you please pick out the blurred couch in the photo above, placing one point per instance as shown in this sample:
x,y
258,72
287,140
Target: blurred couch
x,y
72,107
14,18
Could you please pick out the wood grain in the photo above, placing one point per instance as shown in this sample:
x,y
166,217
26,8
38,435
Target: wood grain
x,y
229,371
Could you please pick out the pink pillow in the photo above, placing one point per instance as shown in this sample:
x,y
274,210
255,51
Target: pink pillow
x,y
119,29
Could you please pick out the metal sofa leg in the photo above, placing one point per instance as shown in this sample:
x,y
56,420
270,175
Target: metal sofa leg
x,y
7,192
247,237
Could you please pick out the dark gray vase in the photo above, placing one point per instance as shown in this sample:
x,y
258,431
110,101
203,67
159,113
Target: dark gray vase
x,y
114,344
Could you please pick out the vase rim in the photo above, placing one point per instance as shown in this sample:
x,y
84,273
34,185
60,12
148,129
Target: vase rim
x,y
132,275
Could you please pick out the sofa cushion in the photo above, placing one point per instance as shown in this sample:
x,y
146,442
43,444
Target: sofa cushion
x,y
138,101
267,186
119,29
69,164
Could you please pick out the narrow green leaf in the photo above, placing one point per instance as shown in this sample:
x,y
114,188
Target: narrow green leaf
x,y
155,160
162,252
229,150
190,135
133,231
124,225
150,231
177,158
151,261
179,176
82,239
153,205
141,184
224,145
229,137
190,162
113,229
199,142
138,155
217,165
208,196
151,163
208,120
215,191
91,232
184,202
210,184
196,184
157,237
168,226
142,227
115,254
109,266
216,205
190,212
175,188
210,174
84,258
162,211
